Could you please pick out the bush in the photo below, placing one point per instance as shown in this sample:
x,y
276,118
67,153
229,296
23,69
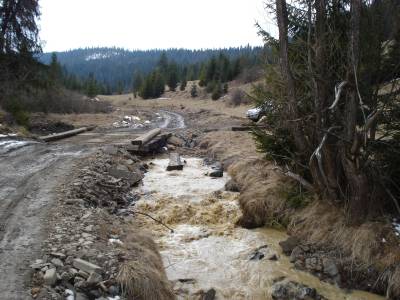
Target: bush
x,y
210,86
20,116
238,97
216,94
193,91
226,87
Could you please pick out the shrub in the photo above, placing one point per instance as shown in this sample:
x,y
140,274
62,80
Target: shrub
x,y
238,97
193,91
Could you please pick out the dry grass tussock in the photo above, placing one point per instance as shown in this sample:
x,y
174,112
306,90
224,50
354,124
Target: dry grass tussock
x,y
143,275
320,223
370,244
260,198
230,146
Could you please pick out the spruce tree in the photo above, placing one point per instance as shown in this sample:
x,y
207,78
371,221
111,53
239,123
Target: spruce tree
x,y
172,77
55,70
183,84
226,87
217,91
137,83
193,90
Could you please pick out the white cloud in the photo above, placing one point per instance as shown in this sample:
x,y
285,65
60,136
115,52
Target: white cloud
x,y
146,24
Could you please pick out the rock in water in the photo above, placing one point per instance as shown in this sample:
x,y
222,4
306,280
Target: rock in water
x,y
290,290
209,295
217,170
289,244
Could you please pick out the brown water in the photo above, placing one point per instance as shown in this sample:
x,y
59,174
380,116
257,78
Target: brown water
x,y
206,250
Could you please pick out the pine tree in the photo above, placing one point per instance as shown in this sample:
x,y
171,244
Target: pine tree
x,y
193,90
137,83
183,84
217,91
226,87
55,70
163,64
159,84
91,86
172,77
18,28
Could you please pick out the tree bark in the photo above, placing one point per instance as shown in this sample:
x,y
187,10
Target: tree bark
x,y
282,17
356,179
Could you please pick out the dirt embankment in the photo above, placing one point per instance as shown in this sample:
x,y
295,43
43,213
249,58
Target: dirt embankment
x,y
364,257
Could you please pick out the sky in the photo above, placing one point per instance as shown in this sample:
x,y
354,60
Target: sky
x,y
148,24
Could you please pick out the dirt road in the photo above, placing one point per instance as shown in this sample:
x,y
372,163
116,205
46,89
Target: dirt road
x,y
30,175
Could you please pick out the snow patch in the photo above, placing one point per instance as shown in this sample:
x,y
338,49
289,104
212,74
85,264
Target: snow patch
x,y
96,56
396,226
115,241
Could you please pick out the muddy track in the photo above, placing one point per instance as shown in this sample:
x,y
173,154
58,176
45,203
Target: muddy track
x,y
28,181
29,178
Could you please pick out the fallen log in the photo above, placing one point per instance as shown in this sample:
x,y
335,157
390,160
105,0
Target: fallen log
x,y
175,162
63,135
152,147
147,137
247,128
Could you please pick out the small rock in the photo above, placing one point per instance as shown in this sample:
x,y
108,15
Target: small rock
x,y
289,244
50,277
58,255
330,267
66,276
290,290
259,253
75,202
175,141
297,254
86,266
83,274
80,296
273,257
57,262
94,278
209,295
113,290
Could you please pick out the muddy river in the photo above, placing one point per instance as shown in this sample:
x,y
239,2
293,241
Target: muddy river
x,y
206,250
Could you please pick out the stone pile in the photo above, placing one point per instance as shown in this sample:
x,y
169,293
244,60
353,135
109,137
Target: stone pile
x,y
84,249
304,257
107,182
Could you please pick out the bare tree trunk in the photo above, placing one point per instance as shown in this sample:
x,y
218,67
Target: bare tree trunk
x,y
356,179
282,16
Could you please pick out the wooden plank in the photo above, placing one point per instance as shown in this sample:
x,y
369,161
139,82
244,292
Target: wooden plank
x,y
63,135
147,137
175,162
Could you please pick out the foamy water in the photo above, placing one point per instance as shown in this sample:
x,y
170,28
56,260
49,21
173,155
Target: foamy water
x,y
206,249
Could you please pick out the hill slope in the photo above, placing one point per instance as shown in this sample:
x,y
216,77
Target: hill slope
x,y
114,65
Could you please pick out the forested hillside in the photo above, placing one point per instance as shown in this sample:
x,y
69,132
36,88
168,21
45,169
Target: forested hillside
x,y
115,67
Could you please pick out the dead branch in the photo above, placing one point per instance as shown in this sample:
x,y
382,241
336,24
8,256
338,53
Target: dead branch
x,y
158,221
338,91
286,172
317,154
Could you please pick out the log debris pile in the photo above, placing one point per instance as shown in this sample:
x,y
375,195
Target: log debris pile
x,y
149,143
